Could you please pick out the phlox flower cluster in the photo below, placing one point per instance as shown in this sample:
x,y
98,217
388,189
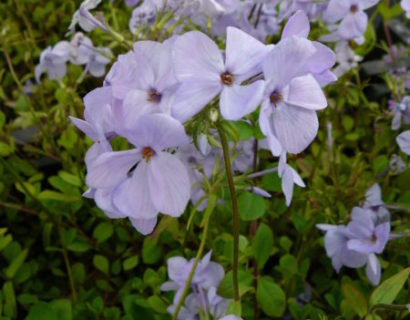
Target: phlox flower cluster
x,y
366,235
79,51
150,93
205,282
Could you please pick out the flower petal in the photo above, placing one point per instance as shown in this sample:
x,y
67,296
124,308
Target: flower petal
x,y
294,127
244,54
353,25
192,96
144,226
169,185
237,101
111,168
158,131
133,196
297,25
197,57
373,269
403,140
305,92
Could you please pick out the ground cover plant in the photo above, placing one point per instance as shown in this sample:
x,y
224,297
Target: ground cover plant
x,y
204,159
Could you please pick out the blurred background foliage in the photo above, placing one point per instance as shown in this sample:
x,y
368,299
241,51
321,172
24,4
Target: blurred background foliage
x,y
61,258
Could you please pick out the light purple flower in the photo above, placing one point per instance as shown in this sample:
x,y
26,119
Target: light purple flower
x,y
401,113
365,236
207,274
352,16
403,140
53,61
153,84
336,239
346,58
144,14
147,180
292,96
375,203
204,73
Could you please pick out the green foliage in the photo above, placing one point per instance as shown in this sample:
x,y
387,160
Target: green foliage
x,y
62,258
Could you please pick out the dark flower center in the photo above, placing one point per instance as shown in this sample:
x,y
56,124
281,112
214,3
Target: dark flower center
x,y
373,238
354,8
154,96
275,98
227,78
147,153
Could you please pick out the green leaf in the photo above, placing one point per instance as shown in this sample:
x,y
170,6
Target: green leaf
x,y
251,206
57,196
79,246
151,253
157,304
16,264
390,288
103,231
10,308
226,287
271,297
245,130
58,309
101,263
262,244
130,263
355,298
235,308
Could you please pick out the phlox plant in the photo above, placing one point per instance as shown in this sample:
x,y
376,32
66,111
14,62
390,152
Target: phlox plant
x,y
231,153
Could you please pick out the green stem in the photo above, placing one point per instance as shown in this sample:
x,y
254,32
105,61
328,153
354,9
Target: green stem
x,y
393,307
235,213
211,205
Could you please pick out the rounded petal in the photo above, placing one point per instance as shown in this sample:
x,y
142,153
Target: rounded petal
x,y
265,123
287,185
305,92
133,196
373,269
103,199
97,106
244,54
144,226
111,168
176,267
323,59
169,185
403,140
192,97
336,10
287,60
238,101
158,131
294,127
197,57
297,25
85,127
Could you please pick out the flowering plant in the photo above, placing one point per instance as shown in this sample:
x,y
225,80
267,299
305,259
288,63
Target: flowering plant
x,y
238,128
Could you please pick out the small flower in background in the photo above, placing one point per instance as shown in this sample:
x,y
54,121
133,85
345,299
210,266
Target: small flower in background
x,y
366,235
353,19
346,58
206,280
54,61
405,4
289,178
401,112
396,164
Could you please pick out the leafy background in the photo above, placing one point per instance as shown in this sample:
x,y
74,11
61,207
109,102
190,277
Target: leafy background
x,y
61,258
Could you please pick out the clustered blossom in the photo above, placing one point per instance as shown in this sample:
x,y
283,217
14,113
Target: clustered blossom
x,y
401,112
150,93
203,299
357,244
79,51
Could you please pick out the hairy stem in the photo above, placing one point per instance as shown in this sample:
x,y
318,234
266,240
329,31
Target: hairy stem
x,y
235,213
211,205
